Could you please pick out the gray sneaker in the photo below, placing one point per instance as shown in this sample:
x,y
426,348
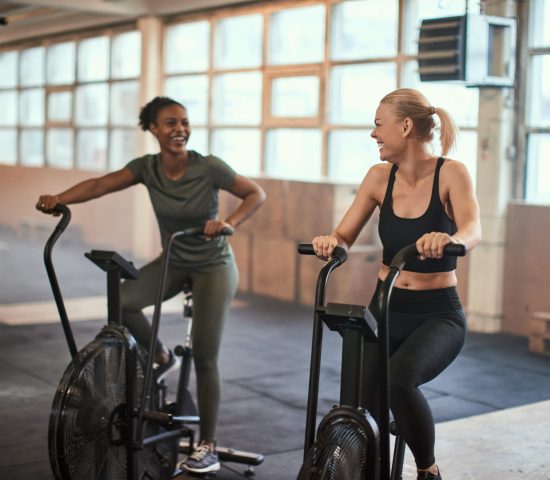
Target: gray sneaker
x,y
202,460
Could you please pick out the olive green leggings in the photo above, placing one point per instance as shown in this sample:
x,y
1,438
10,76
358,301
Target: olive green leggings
x,y
212,295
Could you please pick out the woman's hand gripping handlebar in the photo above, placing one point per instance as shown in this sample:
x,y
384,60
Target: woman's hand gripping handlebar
x,y
339,255
410,252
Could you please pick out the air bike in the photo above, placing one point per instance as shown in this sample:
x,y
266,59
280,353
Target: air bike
x,y
110,417
350,444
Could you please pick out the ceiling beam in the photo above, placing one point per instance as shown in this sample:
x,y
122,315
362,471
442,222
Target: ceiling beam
x,y
130,8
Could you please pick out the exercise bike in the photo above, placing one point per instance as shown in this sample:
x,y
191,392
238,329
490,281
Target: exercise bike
x,y
110,417
350,444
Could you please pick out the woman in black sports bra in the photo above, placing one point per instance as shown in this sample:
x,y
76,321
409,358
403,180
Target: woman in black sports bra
x,y
429,200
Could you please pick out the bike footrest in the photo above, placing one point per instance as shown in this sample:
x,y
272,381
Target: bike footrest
x,y
230,455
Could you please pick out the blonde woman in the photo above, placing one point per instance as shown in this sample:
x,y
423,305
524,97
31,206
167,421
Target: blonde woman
x,y
428,200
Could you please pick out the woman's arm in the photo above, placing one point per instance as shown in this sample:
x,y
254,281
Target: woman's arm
x,y
252,196
465,212
88,190
364,203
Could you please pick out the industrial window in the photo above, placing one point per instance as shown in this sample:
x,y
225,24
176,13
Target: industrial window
x,y
289,89
538,104
71,103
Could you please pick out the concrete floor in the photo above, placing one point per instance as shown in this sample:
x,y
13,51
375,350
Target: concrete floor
x,y
490,405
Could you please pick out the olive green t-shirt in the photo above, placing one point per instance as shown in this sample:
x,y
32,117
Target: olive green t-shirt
x,y
186,203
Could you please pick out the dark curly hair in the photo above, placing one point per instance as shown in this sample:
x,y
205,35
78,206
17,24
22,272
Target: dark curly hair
x,y
149,112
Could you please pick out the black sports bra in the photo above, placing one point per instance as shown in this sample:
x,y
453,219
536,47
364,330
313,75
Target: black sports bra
x,y
397,232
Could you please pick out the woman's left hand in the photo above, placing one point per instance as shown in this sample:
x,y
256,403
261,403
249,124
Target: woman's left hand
x,y
213,228
431,245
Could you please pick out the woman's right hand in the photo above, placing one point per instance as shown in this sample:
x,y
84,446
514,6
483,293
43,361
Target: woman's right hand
x,y
46,204
324,246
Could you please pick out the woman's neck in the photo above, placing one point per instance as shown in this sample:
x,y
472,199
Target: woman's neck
x,y
174,165
415,164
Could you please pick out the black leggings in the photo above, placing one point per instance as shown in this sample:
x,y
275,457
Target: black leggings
x,y
427,331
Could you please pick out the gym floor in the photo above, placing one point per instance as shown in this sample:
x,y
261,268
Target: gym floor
x,y
491,406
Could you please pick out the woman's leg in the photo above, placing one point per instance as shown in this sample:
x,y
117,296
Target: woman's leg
x,y
212,296
417,357
427,351
138,294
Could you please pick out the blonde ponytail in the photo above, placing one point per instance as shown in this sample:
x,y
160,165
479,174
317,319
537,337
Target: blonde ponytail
x,y
448,131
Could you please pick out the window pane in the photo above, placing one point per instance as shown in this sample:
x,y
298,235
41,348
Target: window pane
x,y
417,10
238,98
295,96
285,146
60,106
461,102
93,59
187,47
240,148
91,104
198,141
350,20
539,92
8,67
8,146
126,56
8,101
31,107
125,103
123,147
61,63
539,26
192,92
59,147
31,146
538,168
350,155
239,42
297,35
91,147
31,67
349,102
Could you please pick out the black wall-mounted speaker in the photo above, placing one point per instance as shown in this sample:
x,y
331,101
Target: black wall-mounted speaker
x,y
442,49
476,49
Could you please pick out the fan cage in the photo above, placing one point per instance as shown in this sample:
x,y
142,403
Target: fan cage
x,y
90,419
340,452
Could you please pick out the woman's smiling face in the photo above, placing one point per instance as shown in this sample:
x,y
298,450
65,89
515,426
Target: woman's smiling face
x,y
388,132
172,129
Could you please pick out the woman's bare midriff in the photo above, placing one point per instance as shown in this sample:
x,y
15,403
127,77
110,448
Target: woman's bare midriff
x,y
421,281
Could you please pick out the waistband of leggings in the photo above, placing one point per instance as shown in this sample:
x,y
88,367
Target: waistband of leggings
x,y
421,301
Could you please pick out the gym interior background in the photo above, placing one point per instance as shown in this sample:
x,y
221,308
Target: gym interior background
x,y
285,92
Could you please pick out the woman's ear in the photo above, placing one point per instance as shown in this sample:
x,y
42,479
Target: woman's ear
x,y
407,126
153,129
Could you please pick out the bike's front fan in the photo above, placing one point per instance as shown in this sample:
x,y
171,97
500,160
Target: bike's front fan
x,y
90,420
346,448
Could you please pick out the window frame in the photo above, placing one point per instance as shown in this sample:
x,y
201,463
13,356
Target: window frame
x,y
271,72
72,87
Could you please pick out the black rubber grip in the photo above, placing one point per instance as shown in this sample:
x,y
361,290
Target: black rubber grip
x,y
455,249
306,249
338,252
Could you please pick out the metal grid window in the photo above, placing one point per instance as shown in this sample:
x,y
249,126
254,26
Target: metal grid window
x,y
289,89
71,103
537,111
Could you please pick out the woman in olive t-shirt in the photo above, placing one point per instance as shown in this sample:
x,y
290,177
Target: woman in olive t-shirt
x,y
183,186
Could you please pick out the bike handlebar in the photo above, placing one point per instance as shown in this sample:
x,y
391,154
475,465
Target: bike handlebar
x,y
408,253
198,231
338,253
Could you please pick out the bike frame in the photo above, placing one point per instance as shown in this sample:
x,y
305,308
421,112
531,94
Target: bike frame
x,y
339,256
